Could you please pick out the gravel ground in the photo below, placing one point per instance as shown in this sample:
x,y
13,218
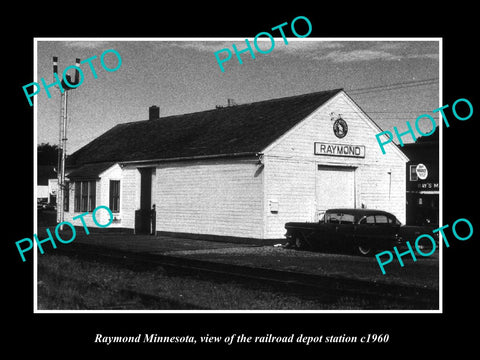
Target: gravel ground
x,y
423,273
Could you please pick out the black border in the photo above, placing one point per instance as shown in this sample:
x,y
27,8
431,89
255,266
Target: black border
x,y
420,334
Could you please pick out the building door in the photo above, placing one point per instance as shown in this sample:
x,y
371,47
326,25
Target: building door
x,y
145,188
143,215
335,187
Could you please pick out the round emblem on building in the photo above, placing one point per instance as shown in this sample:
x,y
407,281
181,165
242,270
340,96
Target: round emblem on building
x,y
340,128
422,171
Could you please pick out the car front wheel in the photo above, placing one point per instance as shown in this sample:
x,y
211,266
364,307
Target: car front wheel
x,y
300,243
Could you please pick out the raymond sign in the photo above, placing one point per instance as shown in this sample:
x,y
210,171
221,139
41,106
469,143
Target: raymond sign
x,y
339,150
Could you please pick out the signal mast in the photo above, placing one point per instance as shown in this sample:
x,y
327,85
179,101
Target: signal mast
x,y
62,148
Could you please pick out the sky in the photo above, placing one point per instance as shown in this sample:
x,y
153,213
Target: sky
x,y
182,76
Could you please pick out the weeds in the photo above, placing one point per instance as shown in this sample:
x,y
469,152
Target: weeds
x,y
66,283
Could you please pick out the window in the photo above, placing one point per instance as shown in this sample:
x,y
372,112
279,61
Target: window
x,y
367,220
78,191
413,173
85,196
66,197
381,219
115,196
92,195
347,219
339,218
333,218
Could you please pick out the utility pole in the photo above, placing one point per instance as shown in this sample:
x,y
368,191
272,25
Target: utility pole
x,y
66,85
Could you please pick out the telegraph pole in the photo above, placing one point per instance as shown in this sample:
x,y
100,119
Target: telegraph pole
x,y
66,85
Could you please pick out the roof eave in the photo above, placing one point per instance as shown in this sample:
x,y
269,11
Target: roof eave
x,y
190,158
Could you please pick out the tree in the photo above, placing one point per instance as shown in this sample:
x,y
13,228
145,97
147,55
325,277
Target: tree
x,y
47,154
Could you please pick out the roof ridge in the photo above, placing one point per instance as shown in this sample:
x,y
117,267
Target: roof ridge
x,y
321,92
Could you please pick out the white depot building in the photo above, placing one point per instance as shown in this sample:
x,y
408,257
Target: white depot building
x,y
238,171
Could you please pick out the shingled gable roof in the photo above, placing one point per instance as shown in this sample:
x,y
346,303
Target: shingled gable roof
x,y
89,171
239,129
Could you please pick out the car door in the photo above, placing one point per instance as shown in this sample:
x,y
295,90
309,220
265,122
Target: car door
x,y
376,231
330,235
364,229
384,232
345,230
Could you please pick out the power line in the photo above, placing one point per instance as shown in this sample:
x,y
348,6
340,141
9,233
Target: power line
x,y
399,84
392,112
395,112
395,86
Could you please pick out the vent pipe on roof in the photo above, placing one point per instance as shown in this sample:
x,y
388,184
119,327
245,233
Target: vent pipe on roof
x,y
230,103
153,112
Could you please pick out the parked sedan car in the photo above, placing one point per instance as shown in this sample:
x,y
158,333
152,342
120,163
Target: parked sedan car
x,y
363,230
41,204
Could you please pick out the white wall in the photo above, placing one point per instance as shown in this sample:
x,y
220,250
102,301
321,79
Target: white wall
x,y
52,188
102,198
291,165
129,196
291,183
222,197
112,173
42,191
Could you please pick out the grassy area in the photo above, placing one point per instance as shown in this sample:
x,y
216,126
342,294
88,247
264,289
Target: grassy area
x,y
66,283
47,218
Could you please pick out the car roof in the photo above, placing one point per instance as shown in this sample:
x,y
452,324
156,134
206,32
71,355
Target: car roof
x,y
360,212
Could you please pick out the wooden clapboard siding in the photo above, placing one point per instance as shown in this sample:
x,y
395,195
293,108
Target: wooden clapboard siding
x,y
291,165
102,192
210,197
129,196
291,183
